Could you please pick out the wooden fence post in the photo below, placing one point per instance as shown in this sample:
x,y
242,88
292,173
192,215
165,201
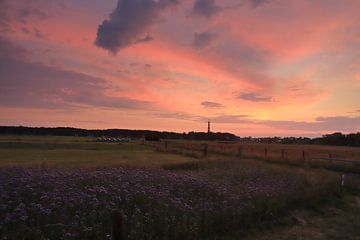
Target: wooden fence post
x,y
240,152
304,159
117,220
331,158
303,156
266,153
205,149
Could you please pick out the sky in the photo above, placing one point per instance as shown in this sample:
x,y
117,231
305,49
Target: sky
x,y
251,67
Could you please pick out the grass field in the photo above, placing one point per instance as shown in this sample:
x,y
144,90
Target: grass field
x,y
80,152
271,151
77,188
332,157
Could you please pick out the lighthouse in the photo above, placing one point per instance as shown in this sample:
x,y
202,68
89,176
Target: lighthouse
x,y
209,127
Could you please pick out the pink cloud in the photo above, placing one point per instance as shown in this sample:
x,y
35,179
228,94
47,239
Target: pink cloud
x,y
280,57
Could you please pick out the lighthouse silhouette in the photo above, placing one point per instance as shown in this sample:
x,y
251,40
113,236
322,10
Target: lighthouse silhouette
x,y
209,127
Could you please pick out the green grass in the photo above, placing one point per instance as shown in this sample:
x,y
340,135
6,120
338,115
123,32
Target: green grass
x,y
80,152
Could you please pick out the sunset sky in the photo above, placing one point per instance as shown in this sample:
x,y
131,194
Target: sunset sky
x,y
252,67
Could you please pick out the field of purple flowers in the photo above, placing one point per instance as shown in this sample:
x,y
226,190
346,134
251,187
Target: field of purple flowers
x,y
54,203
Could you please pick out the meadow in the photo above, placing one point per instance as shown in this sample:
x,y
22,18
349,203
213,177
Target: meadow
x,y
79,152
77,188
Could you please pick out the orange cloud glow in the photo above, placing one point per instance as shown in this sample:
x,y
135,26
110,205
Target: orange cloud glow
x,y
277,68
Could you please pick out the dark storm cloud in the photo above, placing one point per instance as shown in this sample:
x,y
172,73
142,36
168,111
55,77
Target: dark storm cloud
x,y
203,39
208,104
129,22
40,86
205,8
254,97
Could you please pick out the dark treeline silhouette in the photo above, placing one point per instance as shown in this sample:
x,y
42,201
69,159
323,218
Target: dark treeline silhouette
x,y
125,133
337,139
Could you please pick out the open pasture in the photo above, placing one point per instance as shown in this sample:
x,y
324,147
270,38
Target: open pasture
x,y
333,157
79,152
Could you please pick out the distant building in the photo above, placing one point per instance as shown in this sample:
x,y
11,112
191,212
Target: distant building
x,y
209,127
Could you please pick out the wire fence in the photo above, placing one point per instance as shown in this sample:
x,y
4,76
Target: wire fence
x,y
336,158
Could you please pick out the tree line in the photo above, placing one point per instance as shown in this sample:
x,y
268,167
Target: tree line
x,y
124,133
338,139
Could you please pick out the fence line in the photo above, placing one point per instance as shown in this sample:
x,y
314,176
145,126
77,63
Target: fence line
x,y
307,158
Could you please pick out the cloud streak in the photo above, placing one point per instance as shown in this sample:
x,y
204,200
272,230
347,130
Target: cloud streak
x,y
208,104
177,115
5,25
14,12
254,97
337,123
320,124
40,86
